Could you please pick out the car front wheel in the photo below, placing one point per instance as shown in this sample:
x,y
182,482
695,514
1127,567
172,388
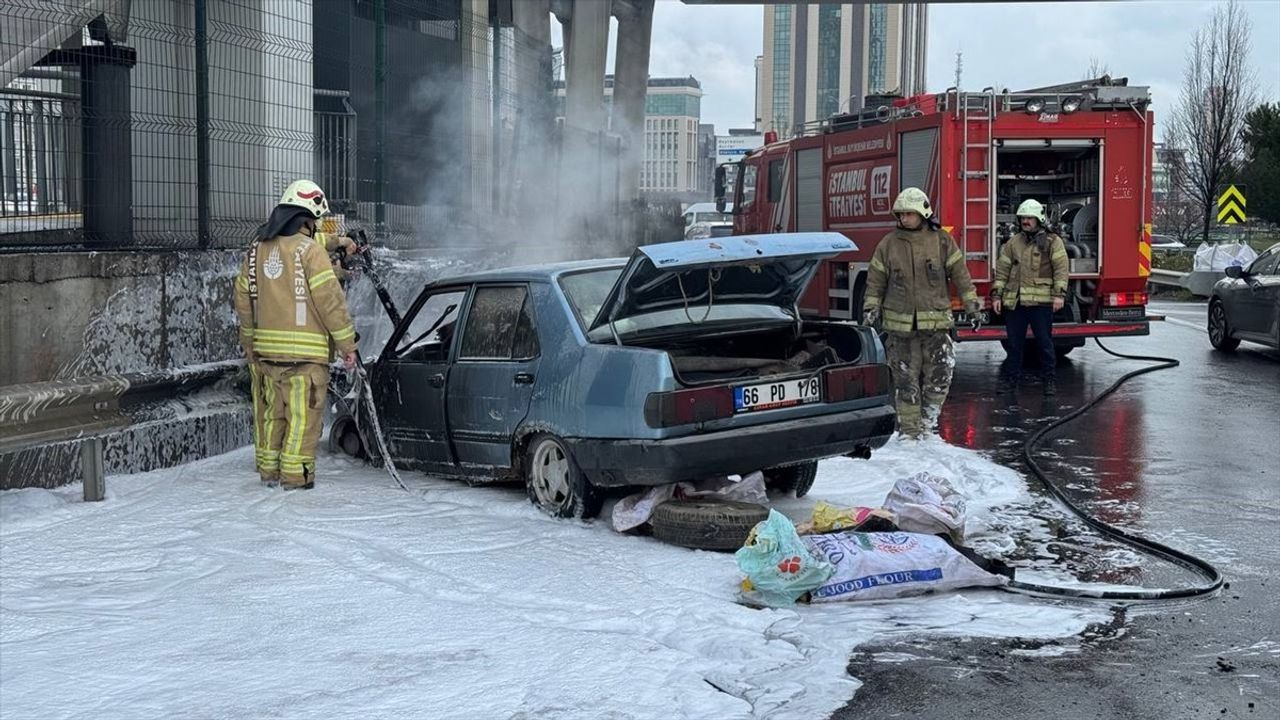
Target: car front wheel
x,y
1219,333
555,483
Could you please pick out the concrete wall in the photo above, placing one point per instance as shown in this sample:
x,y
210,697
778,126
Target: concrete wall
x,y
69,314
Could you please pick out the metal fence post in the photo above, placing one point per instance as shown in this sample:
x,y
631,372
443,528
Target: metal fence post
x,y
91,469
202,125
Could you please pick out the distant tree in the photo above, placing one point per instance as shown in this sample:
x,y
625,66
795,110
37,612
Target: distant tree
x,y
1218,90
1097,68
1261,172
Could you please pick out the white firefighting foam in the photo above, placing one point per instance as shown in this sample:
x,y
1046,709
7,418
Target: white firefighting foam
x,y
195,592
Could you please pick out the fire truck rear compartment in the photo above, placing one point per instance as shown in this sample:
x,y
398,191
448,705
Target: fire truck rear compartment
x,y
1065,177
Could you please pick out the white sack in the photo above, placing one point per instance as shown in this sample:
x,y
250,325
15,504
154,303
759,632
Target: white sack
x,y
877,566
927,504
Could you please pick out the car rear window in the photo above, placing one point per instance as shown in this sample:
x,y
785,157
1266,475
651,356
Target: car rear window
x,y
587,292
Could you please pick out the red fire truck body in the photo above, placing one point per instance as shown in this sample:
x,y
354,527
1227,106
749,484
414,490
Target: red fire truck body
x,y
1083,150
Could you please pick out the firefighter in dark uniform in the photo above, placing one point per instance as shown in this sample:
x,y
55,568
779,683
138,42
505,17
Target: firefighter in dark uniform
x,y
1030,286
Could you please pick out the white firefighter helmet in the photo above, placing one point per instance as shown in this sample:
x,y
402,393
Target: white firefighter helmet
x,y
306,195
1032,209
912,200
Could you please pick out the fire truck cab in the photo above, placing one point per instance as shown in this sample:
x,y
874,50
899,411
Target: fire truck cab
x,y
1084,150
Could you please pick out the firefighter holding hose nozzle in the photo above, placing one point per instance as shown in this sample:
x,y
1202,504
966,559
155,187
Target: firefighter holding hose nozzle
x,y
293,317
908,298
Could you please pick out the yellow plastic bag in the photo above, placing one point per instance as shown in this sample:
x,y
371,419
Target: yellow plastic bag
x,y
828,518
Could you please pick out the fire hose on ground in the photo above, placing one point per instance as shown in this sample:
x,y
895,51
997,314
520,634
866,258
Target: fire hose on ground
x,y
1213,578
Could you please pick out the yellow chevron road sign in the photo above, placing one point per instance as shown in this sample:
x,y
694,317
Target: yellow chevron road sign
x,y
1231,206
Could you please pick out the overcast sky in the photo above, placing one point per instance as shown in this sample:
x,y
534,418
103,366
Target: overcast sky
x,y
1144,41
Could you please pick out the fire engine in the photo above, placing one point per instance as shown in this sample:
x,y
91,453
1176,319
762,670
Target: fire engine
x,y
1084,150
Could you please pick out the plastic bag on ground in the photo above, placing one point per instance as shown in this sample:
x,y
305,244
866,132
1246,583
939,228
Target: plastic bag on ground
x,y
927,504
878,566
633,511
829,518
778,565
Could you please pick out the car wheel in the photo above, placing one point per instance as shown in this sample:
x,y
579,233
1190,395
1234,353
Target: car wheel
x,y
793,478
344,436
555,483
706,524
1219,332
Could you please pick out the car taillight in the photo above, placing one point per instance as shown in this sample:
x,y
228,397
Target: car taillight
x,y
855,383
684,407
1124,299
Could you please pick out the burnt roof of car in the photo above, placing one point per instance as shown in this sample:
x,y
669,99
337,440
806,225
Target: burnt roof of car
x,y
528,273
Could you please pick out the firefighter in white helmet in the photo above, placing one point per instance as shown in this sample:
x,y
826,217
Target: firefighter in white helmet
x,y
293,317
908,297
1030,286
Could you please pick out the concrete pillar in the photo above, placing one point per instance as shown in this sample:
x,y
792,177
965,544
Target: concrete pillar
x,y
583,186
535,114
476,49
588,36
631,81
107,141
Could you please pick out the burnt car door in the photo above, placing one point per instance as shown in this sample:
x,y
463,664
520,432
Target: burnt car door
x,y
1258,298
493,376
410,379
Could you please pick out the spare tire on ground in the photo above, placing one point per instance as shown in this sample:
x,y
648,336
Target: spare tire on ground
x,y
706,524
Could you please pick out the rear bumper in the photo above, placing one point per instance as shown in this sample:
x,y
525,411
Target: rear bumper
x,y
1061,331
612,463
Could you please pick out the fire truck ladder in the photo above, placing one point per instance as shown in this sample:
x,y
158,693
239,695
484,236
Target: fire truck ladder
x,y
977,118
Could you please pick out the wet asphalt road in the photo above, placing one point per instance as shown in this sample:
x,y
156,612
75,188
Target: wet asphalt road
x,y
1188,456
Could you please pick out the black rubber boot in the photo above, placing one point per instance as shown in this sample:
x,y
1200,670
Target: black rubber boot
x,y
1009,383
1050,385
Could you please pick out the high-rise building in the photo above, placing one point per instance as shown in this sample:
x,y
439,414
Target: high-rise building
x,y
821,59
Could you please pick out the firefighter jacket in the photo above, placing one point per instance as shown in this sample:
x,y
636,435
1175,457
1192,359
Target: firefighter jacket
x,y
908,278
289,304
1031,271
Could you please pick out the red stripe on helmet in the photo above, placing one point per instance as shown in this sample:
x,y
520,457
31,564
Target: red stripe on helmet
x,y
309,195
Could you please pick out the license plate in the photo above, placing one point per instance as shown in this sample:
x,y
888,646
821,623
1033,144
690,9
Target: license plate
x,y
771,396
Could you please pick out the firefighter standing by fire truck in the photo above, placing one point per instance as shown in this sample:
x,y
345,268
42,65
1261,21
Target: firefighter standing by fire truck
x,y
907,296
1030,286
292,317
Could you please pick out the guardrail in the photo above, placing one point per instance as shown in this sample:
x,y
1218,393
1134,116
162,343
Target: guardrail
x,y
1168,277
90,408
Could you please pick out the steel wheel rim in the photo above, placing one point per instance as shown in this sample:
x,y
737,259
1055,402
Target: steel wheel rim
x,y
1217,324
549,475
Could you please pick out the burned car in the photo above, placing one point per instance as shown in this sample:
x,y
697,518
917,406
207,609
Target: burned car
x,y
690,360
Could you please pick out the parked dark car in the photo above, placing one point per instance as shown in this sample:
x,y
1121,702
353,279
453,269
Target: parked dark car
x,y
688,361
1245,305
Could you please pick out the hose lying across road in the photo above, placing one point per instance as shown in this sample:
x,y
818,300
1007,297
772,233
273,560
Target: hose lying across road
x,y
1209,572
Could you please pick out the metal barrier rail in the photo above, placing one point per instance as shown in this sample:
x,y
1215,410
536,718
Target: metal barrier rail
x,y
89,408
1167,277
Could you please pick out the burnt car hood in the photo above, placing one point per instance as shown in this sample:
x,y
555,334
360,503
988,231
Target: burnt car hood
x,y
769,269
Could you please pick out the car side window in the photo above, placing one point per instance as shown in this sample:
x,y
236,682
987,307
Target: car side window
x,y
430,333
498,327
1265,264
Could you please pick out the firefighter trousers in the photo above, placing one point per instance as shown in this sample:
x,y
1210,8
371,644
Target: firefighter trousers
x,y
288,420
922,364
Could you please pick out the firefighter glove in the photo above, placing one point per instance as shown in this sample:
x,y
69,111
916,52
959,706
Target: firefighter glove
x,y
871,316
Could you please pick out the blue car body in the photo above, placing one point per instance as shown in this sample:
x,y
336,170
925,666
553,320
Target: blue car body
x,y
602,371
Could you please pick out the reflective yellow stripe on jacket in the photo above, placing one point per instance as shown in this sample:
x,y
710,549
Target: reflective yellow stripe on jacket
x,y
300,343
